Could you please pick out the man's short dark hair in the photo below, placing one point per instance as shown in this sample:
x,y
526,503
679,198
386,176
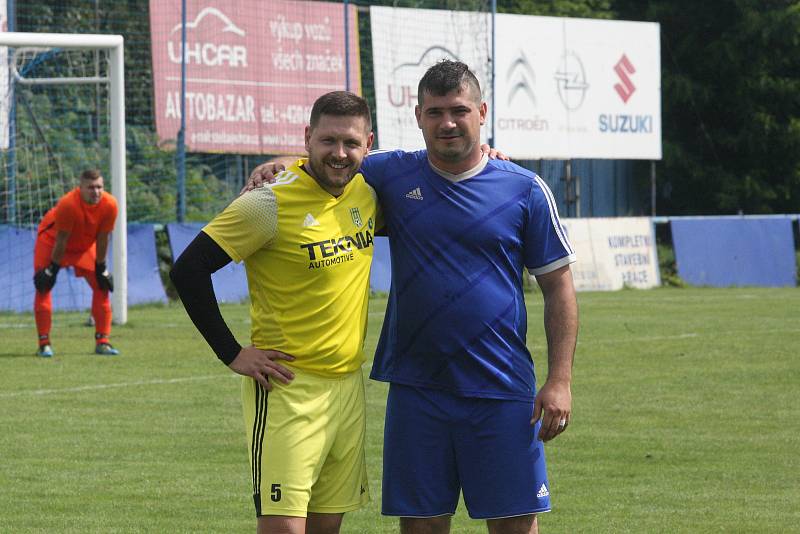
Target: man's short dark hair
x,y
91,175
340,104
448,75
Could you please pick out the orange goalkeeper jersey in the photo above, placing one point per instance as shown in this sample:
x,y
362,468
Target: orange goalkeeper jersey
x,y
82,220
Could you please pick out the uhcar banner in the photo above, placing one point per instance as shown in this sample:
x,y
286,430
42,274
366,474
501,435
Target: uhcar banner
x,y
253,70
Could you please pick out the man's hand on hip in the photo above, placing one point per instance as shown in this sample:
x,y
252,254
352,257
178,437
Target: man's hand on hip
x,y
262,364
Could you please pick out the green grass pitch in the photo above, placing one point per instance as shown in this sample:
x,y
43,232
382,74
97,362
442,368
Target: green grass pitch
x,y
686,419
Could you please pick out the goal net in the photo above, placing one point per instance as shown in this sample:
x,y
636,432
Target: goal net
x,y
61,112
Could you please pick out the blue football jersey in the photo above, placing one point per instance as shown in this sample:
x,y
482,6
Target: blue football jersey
x,y
456,317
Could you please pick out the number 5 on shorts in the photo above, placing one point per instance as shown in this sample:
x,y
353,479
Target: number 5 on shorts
x,y
275,493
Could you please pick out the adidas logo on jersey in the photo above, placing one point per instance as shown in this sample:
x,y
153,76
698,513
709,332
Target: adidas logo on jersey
x,y
310,220
543,492
415,194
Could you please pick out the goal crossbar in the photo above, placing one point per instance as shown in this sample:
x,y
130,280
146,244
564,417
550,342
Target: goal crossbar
x,y
114,44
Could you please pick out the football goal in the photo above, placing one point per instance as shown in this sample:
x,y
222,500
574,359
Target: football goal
x,y
62,111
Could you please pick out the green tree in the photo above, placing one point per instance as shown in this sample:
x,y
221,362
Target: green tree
x,y
730,104
592,9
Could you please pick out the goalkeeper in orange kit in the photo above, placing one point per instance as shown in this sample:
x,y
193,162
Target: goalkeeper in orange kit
x,y
75,233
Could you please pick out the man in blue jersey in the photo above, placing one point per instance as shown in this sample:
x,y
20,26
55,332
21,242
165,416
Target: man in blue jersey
x,y
463,413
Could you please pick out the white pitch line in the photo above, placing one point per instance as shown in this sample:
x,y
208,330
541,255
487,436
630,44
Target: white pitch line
x,y
686,335
640,338
111,386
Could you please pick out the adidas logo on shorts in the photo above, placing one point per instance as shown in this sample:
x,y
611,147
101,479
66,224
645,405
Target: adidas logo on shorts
x,y
543,492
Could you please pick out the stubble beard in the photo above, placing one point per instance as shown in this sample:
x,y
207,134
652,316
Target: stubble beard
x,y
322,176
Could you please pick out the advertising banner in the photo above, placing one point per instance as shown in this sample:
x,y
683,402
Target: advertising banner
x,y
564,88
613,253
253,70
405,43
577,88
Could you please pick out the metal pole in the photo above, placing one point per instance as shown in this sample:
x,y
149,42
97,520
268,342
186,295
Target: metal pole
x,y
346,46
11,162
181,154
119,298
97,87
494,13
652,188
568,182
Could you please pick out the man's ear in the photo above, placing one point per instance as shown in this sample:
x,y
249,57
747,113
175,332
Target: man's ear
x,y
418,114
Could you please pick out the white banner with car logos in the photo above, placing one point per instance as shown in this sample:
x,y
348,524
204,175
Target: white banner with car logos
x,y
564,88
613,253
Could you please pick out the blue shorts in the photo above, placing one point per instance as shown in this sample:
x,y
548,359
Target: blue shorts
x,y
437,443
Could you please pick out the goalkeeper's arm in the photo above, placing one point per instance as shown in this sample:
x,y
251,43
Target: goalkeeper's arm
x,y
45,279
103,277
60,248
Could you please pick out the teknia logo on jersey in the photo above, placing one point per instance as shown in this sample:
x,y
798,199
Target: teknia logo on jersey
x,y
336,250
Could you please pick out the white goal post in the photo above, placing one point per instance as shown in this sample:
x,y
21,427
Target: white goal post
x,y
113,44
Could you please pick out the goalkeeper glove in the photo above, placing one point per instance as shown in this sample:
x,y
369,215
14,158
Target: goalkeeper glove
x,y
104,278
45,279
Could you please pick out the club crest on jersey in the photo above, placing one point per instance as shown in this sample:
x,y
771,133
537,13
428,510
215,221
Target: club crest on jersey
x,y
356,216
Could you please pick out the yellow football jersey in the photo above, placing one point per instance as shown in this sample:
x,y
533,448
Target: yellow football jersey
x,y
307,255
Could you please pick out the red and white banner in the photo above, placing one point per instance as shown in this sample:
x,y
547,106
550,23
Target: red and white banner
x,y
253,70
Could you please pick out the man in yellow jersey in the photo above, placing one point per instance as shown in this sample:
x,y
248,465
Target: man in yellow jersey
x,y
307,244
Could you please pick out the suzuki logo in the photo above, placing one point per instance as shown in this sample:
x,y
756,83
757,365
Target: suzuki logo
x,y
623,68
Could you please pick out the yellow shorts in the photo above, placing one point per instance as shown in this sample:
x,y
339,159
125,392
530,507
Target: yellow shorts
x,y
306,444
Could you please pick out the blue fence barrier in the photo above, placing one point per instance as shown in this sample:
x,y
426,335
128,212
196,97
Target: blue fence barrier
x,y
735,251
70,292
230,282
